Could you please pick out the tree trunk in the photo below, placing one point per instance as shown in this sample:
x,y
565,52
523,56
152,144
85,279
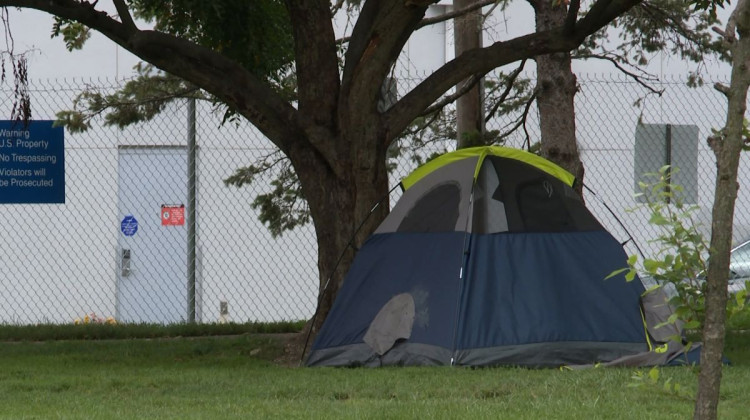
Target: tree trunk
x,y
469,107
727,150
556,89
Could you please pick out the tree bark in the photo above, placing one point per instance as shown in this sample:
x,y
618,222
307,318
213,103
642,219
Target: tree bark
x,y
467,31
727,150
556,89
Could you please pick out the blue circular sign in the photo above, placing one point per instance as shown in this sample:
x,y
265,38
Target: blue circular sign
x,y
129,225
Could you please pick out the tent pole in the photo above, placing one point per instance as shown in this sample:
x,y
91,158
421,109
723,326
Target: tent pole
x,y
622,225
464,259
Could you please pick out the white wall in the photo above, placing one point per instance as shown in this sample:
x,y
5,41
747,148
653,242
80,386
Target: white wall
x,y
59,262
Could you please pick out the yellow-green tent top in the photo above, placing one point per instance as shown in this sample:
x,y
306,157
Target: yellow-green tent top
x,y
482,152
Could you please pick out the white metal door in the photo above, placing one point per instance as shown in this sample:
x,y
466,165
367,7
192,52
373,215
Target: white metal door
x,y
152,252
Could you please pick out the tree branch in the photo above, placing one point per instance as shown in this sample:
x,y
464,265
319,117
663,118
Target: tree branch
x,y
602,13
508,88
730,32
480,61
124,13
656,12
215,73
521,121
724,89
636,77
465,87
572,16
426,124
337,6
317,73
456,13
378,37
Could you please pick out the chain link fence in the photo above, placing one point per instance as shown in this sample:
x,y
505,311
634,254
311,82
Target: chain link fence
x,y
122,244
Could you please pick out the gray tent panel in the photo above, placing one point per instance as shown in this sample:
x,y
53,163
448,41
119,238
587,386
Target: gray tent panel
x,y
392,323
460,175
656,311
436,211
489,210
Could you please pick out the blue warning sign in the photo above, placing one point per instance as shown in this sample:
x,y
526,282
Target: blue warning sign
x,y
129,225
32,163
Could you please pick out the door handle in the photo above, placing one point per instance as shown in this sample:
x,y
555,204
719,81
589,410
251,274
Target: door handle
x,y
125,262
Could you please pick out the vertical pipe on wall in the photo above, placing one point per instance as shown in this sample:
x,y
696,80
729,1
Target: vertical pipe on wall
x,y
668,161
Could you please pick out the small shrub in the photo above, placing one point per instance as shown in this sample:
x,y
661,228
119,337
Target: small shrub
x,y
680,265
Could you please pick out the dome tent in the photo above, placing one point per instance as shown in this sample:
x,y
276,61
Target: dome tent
x,y
488,258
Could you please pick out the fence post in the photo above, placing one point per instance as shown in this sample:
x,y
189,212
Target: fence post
x,y
191,258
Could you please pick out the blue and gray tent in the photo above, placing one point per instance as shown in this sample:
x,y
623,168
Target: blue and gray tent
x,y
491,258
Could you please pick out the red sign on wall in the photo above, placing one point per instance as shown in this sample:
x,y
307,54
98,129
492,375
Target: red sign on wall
x,y
173,215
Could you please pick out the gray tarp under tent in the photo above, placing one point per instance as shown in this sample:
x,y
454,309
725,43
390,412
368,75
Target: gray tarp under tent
x,y
491,258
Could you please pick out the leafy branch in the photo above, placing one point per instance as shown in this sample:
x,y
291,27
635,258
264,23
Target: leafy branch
x,y
141,99
520,122
74,34
284,207
680,264
21,109
639,76
653,380
510,83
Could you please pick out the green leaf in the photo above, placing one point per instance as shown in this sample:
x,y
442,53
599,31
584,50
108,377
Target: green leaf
x,y
616,272
74,34
658,219
653,374
257,34
672,319
630,276
668,385
651,289
691,325
652,265
740,298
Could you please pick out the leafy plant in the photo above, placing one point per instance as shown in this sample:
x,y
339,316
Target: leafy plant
x,y
653,379
93,318
681,264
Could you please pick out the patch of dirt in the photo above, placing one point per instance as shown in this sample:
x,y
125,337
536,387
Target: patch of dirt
x,y
293,343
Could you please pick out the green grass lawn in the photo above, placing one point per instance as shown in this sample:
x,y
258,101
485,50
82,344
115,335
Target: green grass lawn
x,y
235,377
